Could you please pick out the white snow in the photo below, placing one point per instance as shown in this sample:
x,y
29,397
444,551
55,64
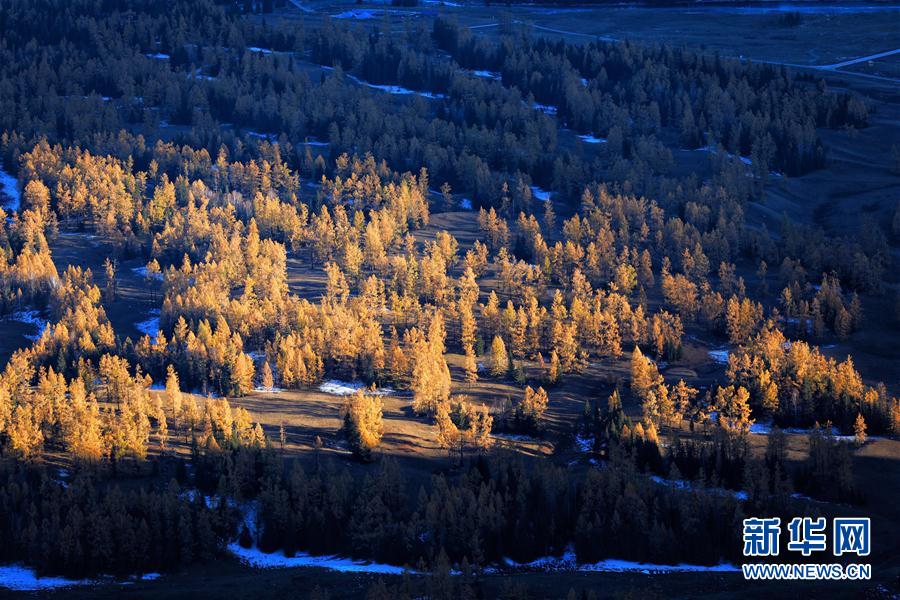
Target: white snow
x,y
158,55
9,191
683,484
396,89
541,194
590,139
720,356
583,443
260,50
340,388
712,150
313,142
568,562
259,559
30,317
355,14
544,108
514,437
142,271
487,75
23,579
149,326
761,428
465,204
585,82
766,429
267,390
337,387
262,136
256,558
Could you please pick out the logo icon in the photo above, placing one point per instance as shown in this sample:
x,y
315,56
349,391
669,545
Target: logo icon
x,y
851,536
807,535
761,536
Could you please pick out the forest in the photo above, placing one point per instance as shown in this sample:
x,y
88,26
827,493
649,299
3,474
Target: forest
x,y
284,198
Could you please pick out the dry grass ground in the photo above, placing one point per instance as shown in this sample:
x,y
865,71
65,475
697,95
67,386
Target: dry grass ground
x,y
856,182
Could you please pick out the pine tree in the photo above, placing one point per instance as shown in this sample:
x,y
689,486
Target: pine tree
x,y
110,291
733,404
363,424
173,394
241,382
499,357
162,426
267,380
470,365
431,375
644,376
859,430
554,372
530,411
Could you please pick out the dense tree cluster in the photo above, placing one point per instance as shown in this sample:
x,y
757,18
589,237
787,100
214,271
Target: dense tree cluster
x,y
496,508
173,134
87,528
598,87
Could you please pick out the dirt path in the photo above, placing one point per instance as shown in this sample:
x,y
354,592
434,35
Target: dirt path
x,y
854,61
305,9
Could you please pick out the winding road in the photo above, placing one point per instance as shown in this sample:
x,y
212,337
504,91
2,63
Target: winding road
x,y
847,63
836,67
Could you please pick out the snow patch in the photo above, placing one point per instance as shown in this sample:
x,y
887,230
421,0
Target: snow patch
x,y
337,387
584,443
712,150
9,191
465,204
276,560
761,428
267,390
683,484
23,579
834,432
149,326
544,108
720,356
568,562
29,317
514,437
590,139
487,75
142,271
541,194
158,56
396,89
361,15
310,141
262,136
